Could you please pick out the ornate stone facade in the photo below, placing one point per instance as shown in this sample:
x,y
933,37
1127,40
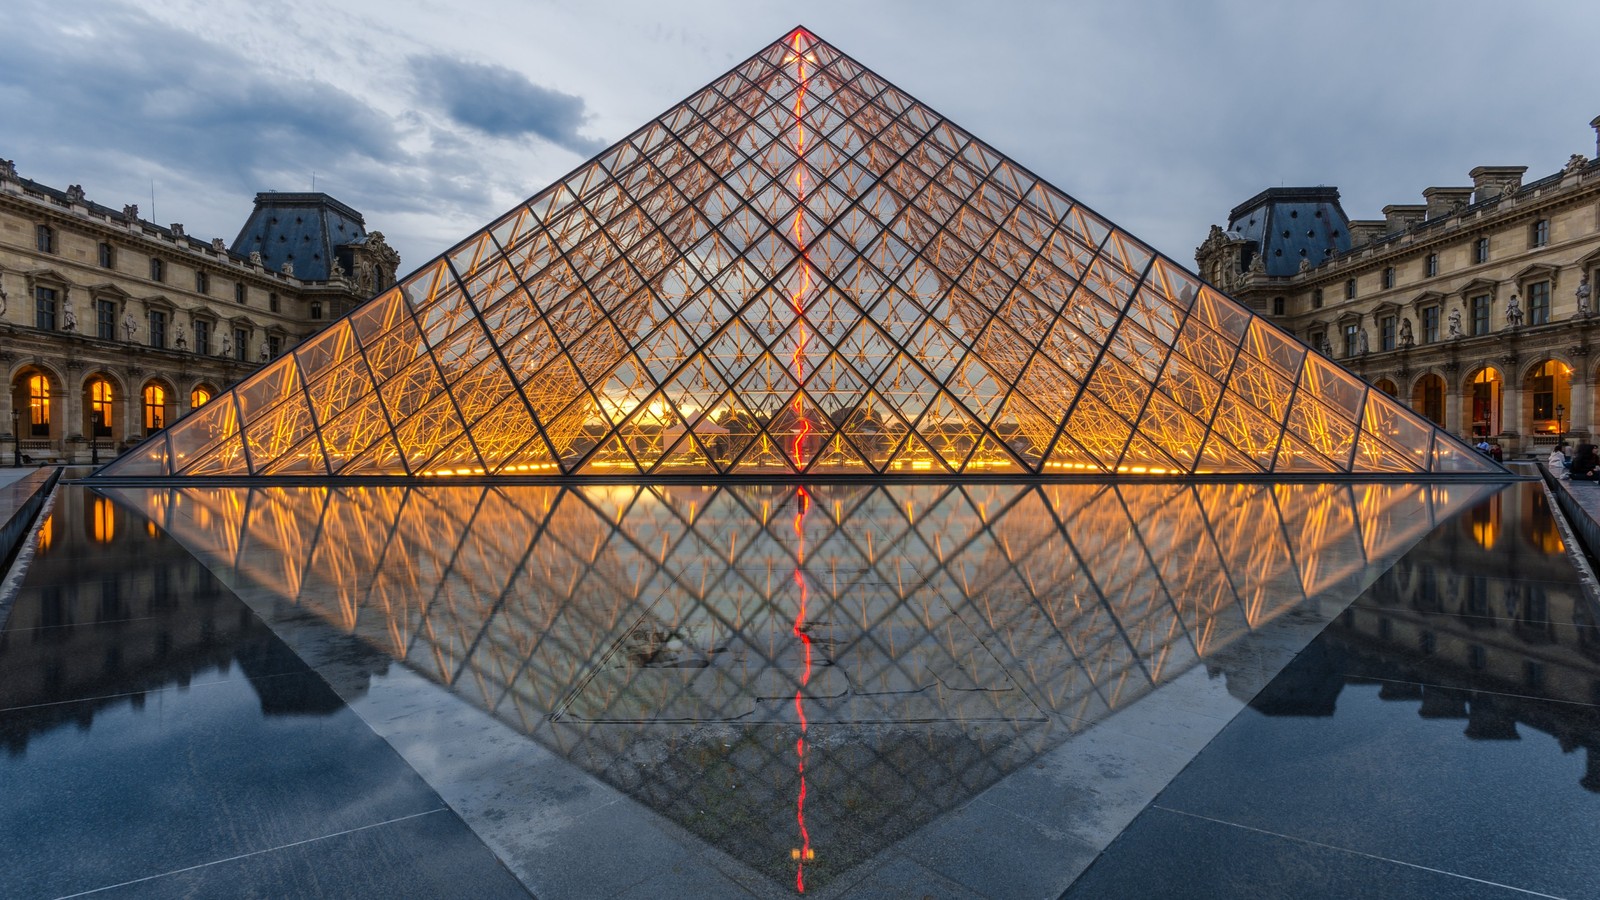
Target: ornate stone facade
x,y
112,326
1476,306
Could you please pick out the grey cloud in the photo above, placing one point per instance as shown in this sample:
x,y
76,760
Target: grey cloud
x,y
167,95
502,102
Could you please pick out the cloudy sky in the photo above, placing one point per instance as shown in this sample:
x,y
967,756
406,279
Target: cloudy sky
x,y
432,118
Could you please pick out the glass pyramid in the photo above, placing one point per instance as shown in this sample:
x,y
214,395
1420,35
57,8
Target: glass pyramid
x,y
801,270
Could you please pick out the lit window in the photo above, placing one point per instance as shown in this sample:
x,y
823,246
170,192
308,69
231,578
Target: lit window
x,y
44,238
199,397
100,408
39,405
155,408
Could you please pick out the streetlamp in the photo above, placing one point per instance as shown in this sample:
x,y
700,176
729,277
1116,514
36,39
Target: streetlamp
x,y
1560,411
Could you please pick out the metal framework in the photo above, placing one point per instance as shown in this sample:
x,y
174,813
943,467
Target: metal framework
x,y
693,645
801,270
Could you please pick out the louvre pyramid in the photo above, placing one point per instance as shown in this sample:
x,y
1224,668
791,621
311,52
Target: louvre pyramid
x,y
801,269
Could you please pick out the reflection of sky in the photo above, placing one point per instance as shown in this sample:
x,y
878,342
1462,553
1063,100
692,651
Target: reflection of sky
x,y
650,633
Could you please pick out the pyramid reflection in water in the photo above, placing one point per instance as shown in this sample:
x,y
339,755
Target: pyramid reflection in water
x,y
801,269
919,641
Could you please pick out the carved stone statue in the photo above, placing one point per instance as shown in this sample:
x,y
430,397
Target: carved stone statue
x,y
180,338
1514,311
1582,293
8,169
69,320
264,355
335,271
130,212
1361,342
130,327
1326,349
1305,266
1407,339
255,258
227,344
1258,266
1455,324
177,229
219,245
1575,162
287,268
3,298
75,193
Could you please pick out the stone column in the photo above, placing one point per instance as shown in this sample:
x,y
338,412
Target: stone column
x,y
72,427
1512,417
1580,410
132,418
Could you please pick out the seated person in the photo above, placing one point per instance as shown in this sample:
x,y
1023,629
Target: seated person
x,y
1558,461
1586,464
1483,446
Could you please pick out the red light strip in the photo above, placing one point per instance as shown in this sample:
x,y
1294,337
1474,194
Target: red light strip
x,y
803,500
804,287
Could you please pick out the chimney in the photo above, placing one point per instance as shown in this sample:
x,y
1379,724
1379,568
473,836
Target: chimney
x,y
1363,231
1442,201
1595,124
1398,217
1489,182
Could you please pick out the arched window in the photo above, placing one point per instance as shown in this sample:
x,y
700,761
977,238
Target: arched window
x,y
100,407
199,397
155,408
1486,396
39,405
1549,389
1428,398
1387,386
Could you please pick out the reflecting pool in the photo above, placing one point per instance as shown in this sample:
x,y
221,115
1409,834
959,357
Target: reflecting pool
x,y
821,685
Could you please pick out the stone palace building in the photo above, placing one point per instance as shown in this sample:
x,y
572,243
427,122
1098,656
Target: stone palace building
x,y
112,327
1476,306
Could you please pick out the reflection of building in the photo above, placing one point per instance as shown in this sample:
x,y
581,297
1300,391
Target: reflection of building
x,y
1446,629
148,616
1476,307
113,327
